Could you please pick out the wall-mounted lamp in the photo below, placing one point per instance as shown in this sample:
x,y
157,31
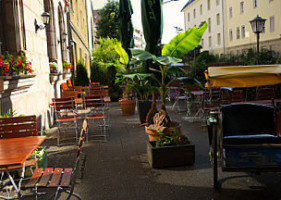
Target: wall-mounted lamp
x,y
64,35
45,18
71,42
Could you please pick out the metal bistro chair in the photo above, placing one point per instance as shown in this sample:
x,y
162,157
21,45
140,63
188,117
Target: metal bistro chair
x,y
62,179
98,113
66,117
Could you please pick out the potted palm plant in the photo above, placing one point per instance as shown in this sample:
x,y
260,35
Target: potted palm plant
x,y
172,53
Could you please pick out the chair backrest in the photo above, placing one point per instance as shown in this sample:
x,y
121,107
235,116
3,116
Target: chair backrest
x,y
63,104
64,86
69,94
92,103
93,84
78,159
238,95
69,83
247,119
265,93
12,127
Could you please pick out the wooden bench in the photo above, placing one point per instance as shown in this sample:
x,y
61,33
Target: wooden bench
x,y
13,127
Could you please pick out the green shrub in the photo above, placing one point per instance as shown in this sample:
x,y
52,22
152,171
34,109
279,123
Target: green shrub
x,y
81,77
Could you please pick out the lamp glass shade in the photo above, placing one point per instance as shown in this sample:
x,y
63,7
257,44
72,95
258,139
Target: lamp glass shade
x,y
258,24
45,18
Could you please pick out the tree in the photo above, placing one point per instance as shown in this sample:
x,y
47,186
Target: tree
x,y
108,25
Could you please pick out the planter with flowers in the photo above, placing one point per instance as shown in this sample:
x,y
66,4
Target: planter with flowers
x,y
66,69
15,73
53,71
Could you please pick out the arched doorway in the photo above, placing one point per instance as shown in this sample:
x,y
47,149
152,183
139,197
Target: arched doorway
x,y
51,31
62,34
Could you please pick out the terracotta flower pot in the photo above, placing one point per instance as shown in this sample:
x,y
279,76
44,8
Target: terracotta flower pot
x,y
127,106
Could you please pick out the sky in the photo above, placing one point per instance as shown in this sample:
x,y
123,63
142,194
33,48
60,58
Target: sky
x,y
171,15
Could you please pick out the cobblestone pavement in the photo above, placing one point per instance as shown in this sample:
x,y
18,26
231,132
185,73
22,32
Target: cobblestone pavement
x,y
118,169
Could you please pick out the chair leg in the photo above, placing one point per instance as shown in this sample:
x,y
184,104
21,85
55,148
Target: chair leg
x,y
73,193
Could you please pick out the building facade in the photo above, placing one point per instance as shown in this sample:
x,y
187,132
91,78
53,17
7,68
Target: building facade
x,y
22,31
78,31
198,11
239,32
229,29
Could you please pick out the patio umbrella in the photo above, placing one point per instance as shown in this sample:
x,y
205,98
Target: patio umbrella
x,y
126,26
152,23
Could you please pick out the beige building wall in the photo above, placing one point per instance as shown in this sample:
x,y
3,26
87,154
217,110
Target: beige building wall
x,y
195,12
268,9
79,31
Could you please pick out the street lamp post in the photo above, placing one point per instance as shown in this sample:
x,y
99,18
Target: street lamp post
x,y
258,26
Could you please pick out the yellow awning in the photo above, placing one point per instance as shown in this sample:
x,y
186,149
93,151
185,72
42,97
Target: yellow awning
x,y
244,76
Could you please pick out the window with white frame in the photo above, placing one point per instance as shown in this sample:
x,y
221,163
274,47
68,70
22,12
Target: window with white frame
x,y
201,9
218,39
242,7
230,35
188,17
238,33
202,43
255,3
209,25
217,2
218,19
243,31
210,41
271,23
230,12
209,4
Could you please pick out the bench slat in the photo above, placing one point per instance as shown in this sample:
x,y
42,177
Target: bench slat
x,y
65,181
23,126
56,177
20,134
17,119
45,177
35,177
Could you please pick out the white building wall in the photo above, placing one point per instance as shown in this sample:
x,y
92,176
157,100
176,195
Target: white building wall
x,y
213,39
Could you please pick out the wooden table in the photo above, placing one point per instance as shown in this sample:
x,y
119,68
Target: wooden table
x,y
15,151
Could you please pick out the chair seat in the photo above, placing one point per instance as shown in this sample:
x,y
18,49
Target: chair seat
x,y
50,177
252,139
96,116
67,119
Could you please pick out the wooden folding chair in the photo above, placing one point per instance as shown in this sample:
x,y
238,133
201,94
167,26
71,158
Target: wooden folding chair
x,y
66,117
62,179
98,113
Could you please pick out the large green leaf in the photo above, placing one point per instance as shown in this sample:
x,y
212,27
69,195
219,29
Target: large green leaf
x,y
142,54
124,57
184,42
166,60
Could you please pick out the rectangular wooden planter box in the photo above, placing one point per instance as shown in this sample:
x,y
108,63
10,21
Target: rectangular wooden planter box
x,y
170,156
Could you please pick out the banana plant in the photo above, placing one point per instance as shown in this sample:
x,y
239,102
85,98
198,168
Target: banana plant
x,y
172,53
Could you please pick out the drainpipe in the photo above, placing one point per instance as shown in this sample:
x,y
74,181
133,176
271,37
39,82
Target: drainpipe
x,y
223,27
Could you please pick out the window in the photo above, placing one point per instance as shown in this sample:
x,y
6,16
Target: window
x,y
217,2
218,39
218,19
255,3
238,33
201,9
271,23
188,17
230,35
194,13
210,41
242,7
243,31
230,12
209,25
209,4
202,43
